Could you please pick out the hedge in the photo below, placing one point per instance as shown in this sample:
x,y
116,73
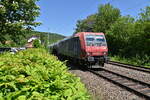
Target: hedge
x,y
34,74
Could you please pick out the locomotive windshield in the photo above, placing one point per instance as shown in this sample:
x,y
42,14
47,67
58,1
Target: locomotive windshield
x,y
89,39
95,40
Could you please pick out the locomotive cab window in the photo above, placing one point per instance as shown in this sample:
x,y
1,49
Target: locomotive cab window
x,y
90,40
100,38
95,40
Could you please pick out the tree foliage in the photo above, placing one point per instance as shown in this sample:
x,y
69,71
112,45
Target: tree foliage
x,y
99,22
106,16
86,25
119,34
16,16
145,15
37,43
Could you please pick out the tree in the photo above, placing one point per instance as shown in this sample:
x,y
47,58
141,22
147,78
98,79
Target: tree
x,y
86,25
16,16
145,14
141,37
119,34
99,22
106,16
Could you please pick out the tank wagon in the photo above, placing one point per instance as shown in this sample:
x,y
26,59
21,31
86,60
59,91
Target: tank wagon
x,y
84,48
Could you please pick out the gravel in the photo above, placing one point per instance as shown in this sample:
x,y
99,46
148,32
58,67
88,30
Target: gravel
x,y
142,76
101,89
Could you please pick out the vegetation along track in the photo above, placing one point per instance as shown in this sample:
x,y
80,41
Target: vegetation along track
x,y
138,68
138,87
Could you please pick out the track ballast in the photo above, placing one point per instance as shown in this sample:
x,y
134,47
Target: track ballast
x,y
138,87
129,66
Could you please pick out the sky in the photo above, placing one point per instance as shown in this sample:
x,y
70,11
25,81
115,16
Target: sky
x,y
60,16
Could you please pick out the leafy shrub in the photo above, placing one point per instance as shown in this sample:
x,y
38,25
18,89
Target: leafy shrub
x,y
34,74
37,43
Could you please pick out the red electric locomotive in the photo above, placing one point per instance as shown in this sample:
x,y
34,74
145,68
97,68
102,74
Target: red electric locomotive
x,y
85,48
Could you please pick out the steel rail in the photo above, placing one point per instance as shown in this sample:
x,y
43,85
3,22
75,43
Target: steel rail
x,y
138,68
142,88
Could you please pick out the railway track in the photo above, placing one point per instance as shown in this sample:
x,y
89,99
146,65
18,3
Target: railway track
x,y
129,66
138,87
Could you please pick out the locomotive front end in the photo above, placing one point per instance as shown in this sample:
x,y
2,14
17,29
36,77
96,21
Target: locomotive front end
x,y
96,48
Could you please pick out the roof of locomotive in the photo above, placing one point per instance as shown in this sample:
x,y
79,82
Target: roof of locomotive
x,y
56,43
88,33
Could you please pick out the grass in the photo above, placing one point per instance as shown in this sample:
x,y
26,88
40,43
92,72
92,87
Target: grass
x,y
145,62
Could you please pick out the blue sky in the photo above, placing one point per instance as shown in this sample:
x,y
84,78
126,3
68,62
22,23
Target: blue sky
x,y
60,16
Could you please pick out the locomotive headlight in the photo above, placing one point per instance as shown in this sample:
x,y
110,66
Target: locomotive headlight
x,y
104,47
104,53
88,53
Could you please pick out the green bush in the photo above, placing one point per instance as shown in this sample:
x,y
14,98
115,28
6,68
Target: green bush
x,y
134,60
37,43
34,74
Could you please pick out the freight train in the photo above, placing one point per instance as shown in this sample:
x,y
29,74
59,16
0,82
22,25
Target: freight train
x,y
86,48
